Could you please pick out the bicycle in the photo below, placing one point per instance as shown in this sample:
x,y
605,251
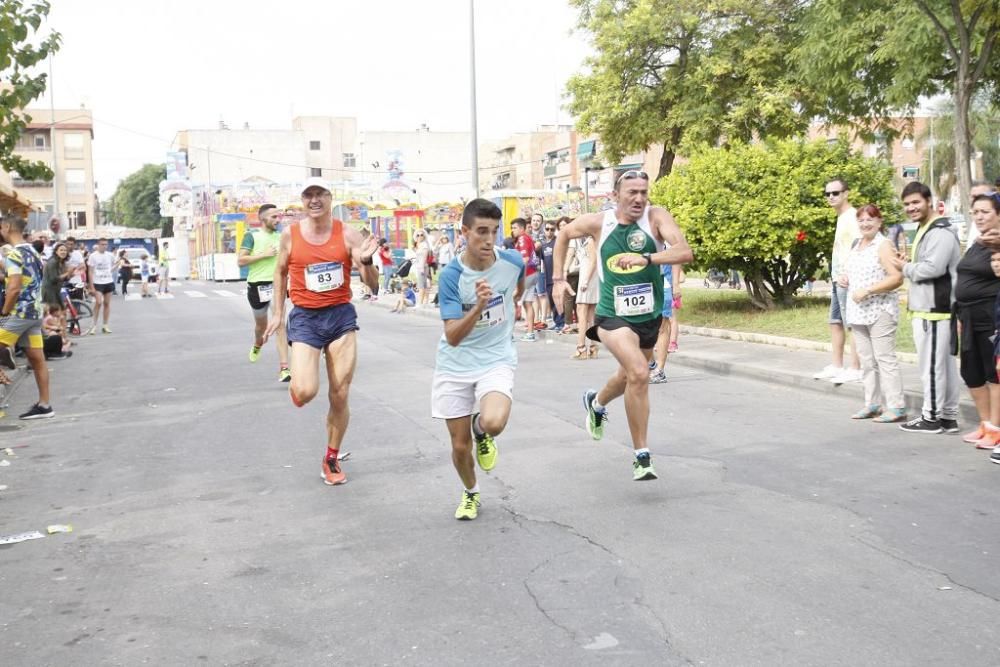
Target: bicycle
x,y
78,311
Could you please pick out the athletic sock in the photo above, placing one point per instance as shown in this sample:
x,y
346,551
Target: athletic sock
x,y
284,367
474,489
642,452
596,405
332,454
476,430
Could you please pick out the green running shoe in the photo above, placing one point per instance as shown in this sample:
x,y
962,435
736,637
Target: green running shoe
x,y
254,354
284,375
595,419
486,447
642,469
468,509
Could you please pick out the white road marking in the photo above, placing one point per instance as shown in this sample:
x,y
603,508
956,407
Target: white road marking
x,y
222,292
133,297
167,296
195,293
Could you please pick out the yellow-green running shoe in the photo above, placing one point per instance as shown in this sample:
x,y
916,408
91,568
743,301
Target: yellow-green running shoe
x,y
254,354
642,469
468,509
595,420
284,375
486,447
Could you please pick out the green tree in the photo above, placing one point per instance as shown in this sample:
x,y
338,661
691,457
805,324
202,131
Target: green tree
x,y
21,50
867,60
984,130
674,71
136,201
759,208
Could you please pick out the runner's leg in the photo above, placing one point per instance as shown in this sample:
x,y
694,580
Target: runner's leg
x,y
341,358
460,430
36,356
305,373
494,411
633,373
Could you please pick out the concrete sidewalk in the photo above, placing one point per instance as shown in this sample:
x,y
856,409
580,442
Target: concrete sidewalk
x,y
784,361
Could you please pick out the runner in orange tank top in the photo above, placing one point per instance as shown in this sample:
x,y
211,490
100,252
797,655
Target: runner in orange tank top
x,y
314,264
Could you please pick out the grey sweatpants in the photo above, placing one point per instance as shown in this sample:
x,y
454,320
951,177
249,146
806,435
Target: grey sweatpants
x,y
938,372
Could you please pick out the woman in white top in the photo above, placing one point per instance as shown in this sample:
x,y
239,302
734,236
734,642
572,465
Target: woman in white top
x,y
873,314
417,254
588,293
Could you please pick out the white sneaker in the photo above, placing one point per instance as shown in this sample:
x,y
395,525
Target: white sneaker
x,y
828,372
847,375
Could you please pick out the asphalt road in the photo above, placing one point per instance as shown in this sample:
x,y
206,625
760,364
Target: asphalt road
x,y
780,532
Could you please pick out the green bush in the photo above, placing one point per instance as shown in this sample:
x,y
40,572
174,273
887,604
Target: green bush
x,y
759,209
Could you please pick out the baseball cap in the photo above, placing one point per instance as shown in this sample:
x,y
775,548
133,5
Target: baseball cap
x,y
315,182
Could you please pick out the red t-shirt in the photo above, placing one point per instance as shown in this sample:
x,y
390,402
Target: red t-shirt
x,y
526,247
385,255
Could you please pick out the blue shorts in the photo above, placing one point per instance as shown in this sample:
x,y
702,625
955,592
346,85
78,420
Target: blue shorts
x,y
318,327
668,304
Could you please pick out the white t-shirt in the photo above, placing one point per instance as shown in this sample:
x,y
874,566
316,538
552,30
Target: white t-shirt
x,y
75,261
101,267
847,231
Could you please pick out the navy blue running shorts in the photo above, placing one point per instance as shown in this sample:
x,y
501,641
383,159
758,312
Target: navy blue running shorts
x,y
318,327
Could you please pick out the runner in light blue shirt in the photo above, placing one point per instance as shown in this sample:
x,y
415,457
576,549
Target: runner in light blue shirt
x,y
476,356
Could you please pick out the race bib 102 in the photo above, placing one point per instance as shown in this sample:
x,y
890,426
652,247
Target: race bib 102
x,y
633,299
324,277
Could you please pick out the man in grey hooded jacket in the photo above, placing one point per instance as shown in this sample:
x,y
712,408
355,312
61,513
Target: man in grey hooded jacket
x,y
930,270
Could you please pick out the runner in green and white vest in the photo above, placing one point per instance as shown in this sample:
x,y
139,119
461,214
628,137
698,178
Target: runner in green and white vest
x,y
633,240
259,251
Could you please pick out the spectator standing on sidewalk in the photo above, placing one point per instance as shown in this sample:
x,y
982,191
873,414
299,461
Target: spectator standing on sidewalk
x,y
976,290
385,264
537,231
547,248
658,370
526,247
588,293
21,311
845,234
124,271
931,270
676,278
572,273
871,280
418,254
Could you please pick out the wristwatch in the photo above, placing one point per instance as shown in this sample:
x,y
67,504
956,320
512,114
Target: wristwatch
x,y
648,257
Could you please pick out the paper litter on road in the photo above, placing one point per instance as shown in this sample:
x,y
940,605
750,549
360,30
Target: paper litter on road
x,y
4,463
20,537
8,451
59,528
3,487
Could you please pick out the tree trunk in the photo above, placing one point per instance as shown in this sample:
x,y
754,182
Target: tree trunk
x,y
759,296
669,154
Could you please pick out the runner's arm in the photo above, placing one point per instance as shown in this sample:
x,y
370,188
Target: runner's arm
x,y
280,283
458,325
585,225
679,251
245,258
362,256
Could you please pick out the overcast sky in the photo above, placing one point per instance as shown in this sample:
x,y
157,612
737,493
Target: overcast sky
x,y
148,69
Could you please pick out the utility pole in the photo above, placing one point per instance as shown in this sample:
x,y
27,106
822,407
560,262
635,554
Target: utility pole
x,y
472,96
52,140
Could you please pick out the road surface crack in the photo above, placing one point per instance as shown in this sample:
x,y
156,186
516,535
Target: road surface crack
x,y
925,568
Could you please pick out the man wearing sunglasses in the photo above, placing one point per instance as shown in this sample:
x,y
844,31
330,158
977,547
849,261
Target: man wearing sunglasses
x,y
846,233
633,241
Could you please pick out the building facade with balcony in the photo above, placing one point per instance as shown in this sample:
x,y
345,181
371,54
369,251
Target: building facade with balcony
x,y
63,140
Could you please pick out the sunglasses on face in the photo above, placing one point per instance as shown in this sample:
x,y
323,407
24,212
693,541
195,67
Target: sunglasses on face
x,y
833,193
550,229
632,174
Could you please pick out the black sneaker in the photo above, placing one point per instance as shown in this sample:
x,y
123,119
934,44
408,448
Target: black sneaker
x,y
949,425
7,358
995,456
38,412
921,425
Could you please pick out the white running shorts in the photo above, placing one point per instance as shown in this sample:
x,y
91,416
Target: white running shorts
x,y
454,396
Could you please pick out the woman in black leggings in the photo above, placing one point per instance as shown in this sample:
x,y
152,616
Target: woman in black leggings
x,y
124,271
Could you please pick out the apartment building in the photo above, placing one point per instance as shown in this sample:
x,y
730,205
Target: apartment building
x,y
416,166
63,140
